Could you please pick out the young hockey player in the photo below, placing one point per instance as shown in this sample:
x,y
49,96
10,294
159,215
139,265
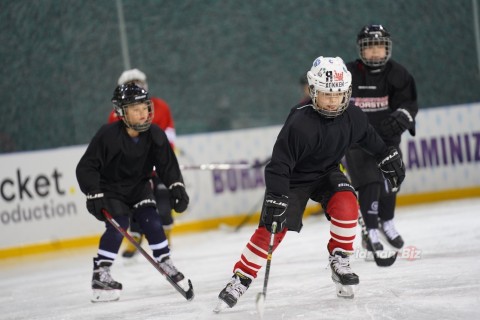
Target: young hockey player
x,y
305,165
115,172
386,92
162,117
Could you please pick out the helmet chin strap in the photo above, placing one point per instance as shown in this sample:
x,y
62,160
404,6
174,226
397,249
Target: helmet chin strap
x,y
137,127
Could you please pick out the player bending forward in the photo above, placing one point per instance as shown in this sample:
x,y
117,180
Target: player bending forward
x,y
115,174
305,165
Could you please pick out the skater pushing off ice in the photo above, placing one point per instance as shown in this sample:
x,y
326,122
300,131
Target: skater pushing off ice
x,y
305,165
115,173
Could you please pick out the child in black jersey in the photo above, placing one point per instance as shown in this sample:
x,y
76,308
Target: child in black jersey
x,y
305,165
386,92
115,173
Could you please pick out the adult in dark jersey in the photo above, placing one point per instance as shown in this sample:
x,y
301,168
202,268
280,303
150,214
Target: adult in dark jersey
x,y
386,92
305,165
115,173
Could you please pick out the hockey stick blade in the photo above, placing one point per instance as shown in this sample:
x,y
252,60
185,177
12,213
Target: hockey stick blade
x,y
260,304
261,296
381,262
187,294
384,262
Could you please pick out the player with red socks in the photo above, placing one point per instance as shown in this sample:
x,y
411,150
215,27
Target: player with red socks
x,y
305,165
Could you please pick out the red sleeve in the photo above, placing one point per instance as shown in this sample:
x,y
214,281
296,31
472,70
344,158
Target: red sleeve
x,y
163,117
113,117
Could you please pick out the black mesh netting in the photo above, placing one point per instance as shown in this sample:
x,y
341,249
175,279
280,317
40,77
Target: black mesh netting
x,y
219,64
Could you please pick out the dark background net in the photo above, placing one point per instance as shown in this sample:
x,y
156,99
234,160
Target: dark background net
x,y
219,64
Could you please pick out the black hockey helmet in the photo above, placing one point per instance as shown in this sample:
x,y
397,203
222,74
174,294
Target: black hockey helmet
x,y
130,94
374,35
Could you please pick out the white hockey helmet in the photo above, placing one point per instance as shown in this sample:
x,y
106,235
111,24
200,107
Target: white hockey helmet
x,y
329,78
134,75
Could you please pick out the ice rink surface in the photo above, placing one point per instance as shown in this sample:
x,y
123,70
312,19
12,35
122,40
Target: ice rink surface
x,y
439,278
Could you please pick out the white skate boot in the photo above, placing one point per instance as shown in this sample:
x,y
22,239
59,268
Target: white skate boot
x,y
392,235
342,274
103,286
229,296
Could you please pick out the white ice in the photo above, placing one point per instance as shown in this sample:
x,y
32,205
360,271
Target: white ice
x,y
443,282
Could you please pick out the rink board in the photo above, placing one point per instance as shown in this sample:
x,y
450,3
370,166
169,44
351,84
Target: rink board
x,y
43,209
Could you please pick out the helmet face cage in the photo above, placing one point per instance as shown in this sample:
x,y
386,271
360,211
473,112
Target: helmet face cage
x,y
327,113
329,77
139,127
129,95
374,35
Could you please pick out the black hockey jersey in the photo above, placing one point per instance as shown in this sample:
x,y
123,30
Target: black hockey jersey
x,y
379,92
309,145
117,165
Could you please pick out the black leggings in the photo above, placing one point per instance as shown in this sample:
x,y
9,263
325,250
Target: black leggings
x,y
375,202
149,221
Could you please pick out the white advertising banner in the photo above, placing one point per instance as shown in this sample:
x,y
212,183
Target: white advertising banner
x,y
40,200
445,153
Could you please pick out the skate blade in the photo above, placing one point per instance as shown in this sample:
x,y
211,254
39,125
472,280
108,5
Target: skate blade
x,y
345,291
221,305
105,295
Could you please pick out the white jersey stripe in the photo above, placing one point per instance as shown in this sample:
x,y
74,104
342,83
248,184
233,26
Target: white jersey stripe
x,y
343,221
160,245
257,247
107,254
252,257
342,241
343,232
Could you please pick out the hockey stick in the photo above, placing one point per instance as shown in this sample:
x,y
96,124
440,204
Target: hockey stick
x,y
261,296
381,262
219,166
225,166
186,294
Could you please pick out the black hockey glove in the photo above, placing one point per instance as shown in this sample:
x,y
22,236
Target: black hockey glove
x,y
392,167
396,123
95,203
178,197
274,210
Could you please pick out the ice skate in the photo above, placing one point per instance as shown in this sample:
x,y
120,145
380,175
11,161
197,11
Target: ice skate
x,y
131,249
103,286
342,274
392,235
167,266
373,235
229,296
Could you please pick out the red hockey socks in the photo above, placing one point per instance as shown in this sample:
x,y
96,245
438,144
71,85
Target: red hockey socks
x,y
255,253
343,210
